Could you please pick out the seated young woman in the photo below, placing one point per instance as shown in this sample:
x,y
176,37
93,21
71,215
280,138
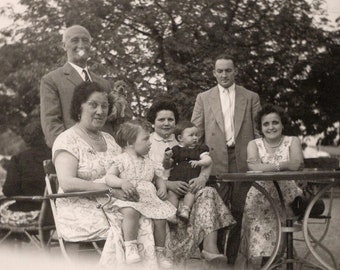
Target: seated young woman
x,y
271,153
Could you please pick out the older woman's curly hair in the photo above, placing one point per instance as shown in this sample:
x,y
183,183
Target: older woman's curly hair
x,y
81,94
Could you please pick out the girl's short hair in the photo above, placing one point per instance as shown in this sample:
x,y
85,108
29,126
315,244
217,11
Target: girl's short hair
x,y
128,131
81,94
181,126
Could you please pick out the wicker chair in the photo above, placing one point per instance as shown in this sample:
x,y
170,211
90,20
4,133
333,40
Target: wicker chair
x,y
40,232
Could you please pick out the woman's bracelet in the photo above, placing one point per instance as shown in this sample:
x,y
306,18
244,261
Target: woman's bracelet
x,y
110,191
277,166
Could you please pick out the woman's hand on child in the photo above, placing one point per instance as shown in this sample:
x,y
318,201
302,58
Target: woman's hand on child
x,y
179,187
130,192
197,183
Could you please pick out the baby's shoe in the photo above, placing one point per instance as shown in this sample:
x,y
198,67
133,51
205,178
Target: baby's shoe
x,y
131,252
163,261
184,213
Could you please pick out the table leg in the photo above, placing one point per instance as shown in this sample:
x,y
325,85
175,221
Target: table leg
x,y
290,248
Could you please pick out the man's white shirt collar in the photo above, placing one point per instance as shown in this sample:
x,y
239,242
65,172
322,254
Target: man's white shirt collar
x,y
80,71
230,89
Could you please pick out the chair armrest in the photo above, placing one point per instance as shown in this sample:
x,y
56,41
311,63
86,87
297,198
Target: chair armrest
x,y
79,194
23,198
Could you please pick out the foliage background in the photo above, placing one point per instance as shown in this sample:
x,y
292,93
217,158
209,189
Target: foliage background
x,y
152,47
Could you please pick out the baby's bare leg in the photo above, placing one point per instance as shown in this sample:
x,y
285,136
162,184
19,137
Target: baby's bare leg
x,y
173,198
189,200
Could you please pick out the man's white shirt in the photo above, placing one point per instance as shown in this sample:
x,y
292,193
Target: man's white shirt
x,y
227,97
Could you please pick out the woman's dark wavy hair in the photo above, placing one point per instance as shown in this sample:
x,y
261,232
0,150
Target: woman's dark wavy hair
x,y
270,108
128,131
162,104
81,94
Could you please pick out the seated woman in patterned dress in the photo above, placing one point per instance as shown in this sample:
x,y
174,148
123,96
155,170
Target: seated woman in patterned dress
x,y
208,213
82,155
273,152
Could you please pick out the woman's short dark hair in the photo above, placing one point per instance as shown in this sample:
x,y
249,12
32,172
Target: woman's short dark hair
x,y
161,105
128,131
81,94
270,108
181,126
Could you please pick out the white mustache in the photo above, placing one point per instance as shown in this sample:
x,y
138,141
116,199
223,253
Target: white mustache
x,y
81,52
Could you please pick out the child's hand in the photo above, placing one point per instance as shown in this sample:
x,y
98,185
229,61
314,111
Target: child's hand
x,y
168,154
161,192
194,163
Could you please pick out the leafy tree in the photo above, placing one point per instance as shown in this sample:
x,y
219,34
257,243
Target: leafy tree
x,y
167,46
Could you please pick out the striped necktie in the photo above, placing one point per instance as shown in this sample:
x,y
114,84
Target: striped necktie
x,y
87,78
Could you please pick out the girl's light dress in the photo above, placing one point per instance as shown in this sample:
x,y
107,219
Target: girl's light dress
x,y
140,172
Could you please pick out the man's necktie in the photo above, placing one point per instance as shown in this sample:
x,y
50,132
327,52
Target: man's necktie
x,y
87,78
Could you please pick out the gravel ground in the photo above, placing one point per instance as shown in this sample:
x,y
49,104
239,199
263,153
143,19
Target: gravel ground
x,y
15,255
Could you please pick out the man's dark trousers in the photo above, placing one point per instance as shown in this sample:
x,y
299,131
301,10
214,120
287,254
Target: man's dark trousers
x,y
233,194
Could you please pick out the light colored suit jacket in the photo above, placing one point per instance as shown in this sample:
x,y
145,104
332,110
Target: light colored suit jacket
x,y
207,116
56,91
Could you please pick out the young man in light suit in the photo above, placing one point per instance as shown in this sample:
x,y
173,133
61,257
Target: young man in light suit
x,y
225,116
57,87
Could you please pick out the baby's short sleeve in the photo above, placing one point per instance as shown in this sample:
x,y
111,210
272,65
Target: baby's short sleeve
x,y
204,148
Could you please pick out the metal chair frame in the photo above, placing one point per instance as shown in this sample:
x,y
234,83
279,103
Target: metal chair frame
x,y
312,241
52,187
290,228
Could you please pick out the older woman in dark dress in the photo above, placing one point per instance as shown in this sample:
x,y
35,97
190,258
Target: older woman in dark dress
x,y
25,176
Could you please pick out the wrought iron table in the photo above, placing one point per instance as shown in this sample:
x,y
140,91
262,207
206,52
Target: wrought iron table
x,y
327,179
